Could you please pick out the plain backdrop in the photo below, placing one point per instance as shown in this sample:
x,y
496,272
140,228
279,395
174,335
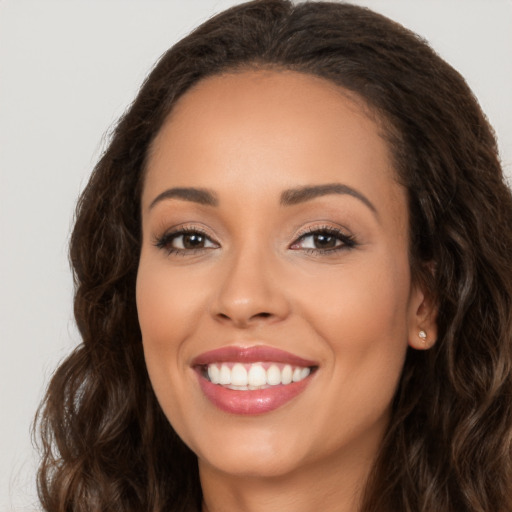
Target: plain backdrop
x,y
68,69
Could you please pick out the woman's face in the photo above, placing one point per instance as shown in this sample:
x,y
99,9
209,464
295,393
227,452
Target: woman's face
x,y
274,292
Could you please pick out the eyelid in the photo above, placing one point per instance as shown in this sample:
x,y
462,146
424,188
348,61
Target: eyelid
x,y
312,229
163,241
348,240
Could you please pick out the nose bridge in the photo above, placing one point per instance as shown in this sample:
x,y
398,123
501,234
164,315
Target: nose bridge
x,y
250,289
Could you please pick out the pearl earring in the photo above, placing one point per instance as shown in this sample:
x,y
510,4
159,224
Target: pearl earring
x,y
423,335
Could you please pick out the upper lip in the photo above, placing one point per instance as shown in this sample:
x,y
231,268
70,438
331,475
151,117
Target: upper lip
x,y
255,354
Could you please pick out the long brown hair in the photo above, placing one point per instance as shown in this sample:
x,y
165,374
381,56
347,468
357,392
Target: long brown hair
x,y
107,445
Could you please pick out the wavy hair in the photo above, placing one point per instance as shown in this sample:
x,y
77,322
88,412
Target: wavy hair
x,y
106,444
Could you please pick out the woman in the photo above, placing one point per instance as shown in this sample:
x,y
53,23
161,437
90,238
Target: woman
x,y
293,283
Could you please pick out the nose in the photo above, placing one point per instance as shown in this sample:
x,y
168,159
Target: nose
x,y
250,291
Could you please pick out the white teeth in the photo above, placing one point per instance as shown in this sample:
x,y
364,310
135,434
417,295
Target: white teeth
x,y
214,373
254,376
287,375
239,375
225,375
273,375
257,375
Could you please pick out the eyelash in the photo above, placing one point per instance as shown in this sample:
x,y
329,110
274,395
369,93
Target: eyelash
x,y
347,241
165,241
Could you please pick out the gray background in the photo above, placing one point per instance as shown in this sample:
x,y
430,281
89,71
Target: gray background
x,y
68,69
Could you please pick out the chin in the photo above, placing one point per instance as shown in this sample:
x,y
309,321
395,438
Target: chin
x,y
254,455
258,465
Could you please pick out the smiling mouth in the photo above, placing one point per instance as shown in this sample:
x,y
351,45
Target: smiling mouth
x,y
254,376
252,380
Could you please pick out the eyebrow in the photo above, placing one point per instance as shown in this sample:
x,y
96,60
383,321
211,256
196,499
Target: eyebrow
x,y
195,195
302,194
288,197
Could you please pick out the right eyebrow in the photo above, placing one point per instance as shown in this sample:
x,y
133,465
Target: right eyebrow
x,y
195,195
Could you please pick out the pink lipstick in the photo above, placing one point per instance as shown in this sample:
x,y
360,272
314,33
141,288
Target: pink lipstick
x,y
252,380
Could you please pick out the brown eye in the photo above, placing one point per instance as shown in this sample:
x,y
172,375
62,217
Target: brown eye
x,y
324,240
185,241
189,240
192,241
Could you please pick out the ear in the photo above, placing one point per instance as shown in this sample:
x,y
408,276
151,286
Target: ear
x,y
422,323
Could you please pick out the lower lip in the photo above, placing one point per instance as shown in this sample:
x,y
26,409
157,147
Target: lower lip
x,y
249,402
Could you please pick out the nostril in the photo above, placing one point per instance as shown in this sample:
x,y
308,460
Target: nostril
x,y
263,315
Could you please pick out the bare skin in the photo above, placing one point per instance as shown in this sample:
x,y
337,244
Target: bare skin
x,y
236,253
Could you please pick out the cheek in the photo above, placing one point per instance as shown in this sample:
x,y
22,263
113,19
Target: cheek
x,y
362,299
362,321
168,304
164,307
153,301
162,313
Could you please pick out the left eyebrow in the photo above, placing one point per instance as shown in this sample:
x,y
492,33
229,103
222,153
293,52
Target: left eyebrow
x,y
302,194
195,195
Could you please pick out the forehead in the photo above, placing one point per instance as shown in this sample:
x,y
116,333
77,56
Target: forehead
x,y
261,128
270,101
